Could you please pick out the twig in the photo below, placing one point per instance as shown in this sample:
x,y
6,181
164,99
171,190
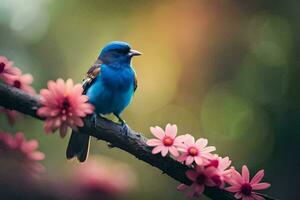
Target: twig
x,y
117,135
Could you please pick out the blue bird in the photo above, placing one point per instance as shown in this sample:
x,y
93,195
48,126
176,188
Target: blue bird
x,y
110,84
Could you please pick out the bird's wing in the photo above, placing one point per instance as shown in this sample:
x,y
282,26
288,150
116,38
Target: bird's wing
x,y
135,82
91,75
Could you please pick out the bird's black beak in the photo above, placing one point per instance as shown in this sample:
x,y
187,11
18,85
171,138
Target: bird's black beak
x,y
134,53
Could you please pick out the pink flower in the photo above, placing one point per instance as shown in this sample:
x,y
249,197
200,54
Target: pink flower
x,y
100,176
19,153
63,106
11,115
7,142
22,82
13,76
201,178
221,172
243,187
28,148
166,140
195,151
7,71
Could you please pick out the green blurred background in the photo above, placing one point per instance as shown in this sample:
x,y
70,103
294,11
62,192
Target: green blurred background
x,y
224,70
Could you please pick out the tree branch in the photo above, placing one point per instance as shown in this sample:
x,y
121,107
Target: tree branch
x,y
118,136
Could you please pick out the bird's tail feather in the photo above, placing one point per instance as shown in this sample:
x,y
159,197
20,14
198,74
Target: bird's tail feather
x,y
78,146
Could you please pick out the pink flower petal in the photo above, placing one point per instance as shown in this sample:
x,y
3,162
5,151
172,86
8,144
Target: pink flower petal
x,y
189,140
199,189
192,175
157,149
258,177
198,160
31,145
183,138
27,78
182,149
28,89
225,163
171,130
191,193
78,121
154,142
189,160
247,198
179,144
236,177
238,195
260,186
234,188
19,137
182,158
201,143
63,130
173,151
207,156
182,187
164,151
37,156
157,132
209,149
245,174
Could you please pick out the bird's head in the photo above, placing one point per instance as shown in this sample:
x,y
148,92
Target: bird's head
x,y
117,53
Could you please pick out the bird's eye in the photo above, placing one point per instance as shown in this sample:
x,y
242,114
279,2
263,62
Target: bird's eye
x,y
122,51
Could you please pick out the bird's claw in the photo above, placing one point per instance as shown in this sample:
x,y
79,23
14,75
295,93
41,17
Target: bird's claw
x,y
125,129
122,122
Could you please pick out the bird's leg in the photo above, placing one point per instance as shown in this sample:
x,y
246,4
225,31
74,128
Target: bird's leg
x,y
121,121
123,124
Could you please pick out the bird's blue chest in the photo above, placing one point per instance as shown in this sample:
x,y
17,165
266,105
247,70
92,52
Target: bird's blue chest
x,y
112,90
119,80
